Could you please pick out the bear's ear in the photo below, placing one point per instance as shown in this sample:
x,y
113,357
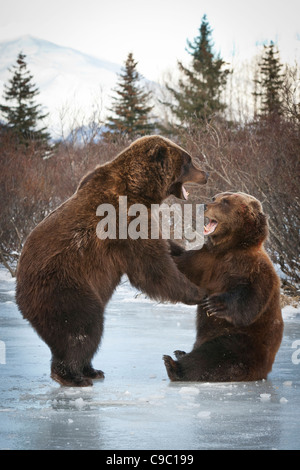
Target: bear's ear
x,y
256,205
260,223
256,212
159,154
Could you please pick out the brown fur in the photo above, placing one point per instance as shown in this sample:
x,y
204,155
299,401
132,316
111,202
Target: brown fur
x,y
239,324
66,274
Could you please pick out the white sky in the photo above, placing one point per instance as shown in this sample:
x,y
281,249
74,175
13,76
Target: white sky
x,y
155,30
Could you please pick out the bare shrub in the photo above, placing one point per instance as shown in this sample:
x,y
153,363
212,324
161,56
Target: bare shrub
x,y
261,159
31,187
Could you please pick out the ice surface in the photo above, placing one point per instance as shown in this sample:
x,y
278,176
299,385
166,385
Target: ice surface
x,y
136,407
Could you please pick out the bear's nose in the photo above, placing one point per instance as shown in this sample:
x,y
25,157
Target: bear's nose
x,y
205,207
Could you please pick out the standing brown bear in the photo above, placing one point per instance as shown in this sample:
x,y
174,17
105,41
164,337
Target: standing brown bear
x,y
239,324
66,274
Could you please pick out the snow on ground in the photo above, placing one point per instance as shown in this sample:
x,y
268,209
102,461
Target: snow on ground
x,y
136,407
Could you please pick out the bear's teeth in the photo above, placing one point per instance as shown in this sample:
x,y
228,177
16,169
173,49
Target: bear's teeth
x,y
210,227
185,193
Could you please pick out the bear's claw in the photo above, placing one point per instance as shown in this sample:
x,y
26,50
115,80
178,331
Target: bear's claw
x,y
172,368
179,354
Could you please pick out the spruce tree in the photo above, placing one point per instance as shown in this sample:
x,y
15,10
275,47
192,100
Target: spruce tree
x,y
270,82
198,94
131,108
22,114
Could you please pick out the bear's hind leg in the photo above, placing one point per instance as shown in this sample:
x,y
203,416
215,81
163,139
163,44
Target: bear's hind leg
x,y
71,365
76,340
68,376
223,359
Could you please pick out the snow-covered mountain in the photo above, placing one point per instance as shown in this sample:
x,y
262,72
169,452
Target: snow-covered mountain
x,y
73,85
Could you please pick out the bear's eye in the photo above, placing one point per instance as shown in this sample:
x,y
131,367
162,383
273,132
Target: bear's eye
x,y
186,159
213,199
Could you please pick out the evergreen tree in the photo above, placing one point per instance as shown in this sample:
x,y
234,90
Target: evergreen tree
x,y
131,106
270,82
23,115
199,90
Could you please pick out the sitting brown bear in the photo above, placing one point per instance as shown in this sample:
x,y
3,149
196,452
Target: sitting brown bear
x,y
239,324
67,274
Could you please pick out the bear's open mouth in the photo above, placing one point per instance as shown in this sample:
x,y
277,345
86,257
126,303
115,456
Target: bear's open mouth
x,y
178,190
210,227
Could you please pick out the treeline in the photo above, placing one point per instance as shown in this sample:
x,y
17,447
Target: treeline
x,y
258,155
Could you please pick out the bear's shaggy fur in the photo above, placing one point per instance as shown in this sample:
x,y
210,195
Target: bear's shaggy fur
x,y
66,274
239,324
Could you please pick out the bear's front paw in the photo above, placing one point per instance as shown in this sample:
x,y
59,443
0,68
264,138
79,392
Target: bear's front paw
x,y
215,306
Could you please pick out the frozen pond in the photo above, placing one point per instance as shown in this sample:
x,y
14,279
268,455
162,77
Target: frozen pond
x,y
136,407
